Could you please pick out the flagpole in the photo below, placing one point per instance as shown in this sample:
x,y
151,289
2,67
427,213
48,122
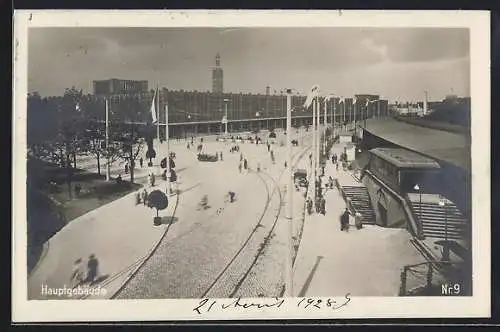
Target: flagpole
x,y
168,149
354,112
107,143
158,112
289,263
333,119
343,112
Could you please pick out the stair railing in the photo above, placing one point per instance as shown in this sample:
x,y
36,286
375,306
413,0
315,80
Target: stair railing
x,y
415,226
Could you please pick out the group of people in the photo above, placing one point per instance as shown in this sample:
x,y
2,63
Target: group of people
x,y
141,197
344,220
78,276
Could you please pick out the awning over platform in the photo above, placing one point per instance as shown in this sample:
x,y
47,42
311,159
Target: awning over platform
x,y
441,145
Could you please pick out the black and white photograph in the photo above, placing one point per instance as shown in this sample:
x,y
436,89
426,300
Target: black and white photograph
x,y
228,168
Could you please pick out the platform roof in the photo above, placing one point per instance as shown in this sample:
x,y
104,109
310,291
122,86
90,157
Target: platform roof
x,y
403,158
437,144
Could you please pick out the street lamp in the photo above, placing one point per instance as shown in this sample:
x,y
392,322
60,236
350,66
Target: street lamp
x,y
225,115
417,188
446,248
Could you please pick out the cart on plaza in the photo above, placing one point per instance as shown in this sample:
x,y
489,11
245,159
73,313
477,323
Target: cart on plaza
x,y
300,178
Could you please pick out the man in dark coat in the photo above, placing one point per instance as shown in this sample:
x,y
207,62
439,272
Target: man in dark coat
x,y
344,221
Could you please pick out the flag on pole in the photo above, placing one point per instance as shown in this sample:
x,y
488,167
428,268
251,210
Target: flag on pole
x,y
354,100
341,100
77,107
313,93
153,109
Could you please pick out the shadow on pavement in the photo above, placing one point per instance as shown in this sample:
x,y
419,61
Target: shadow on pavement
x,y
169,220
310,277
99,279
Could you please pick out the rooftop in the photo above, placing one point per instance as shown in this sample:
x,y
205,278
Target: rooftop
x,y
403,158
437,144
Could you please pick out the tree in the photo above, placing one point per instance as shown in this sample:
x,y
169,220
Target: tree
x,y
132,145
158,200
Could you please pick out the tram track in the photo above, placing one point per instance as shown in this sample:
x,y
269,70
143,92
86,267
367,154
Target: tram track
x,y
239,267
240,263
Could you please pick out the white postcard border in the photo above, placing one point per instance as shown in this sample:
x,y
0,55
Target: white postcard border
x,y
477,305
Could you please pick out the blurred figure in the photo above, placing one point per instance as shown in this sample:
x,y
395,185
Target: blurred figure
x,y
77,273
92,269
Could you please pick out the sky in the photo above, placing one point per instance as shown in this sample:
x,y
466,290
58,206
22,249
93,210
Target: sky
x,y
396,63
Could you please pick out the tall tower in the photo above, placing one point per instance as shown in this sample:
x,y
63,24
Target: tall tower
x,y
217,76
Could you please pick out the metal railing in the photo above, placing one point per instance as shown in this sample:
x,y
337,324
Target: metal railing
x,y
415,226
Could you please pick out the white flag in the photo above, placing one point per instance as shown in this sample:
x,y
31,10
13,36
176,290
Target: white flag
x,y
341,100
313,93
77,107
153,109
354,100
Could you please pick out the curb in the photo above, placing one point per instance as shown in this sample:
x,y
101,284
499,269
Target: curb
x,y
45,249
147,256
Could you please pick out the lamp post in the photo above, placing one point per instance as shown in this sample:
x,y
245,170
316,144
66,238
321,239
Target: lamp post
x,y
225,116
289,263
446,248
417,188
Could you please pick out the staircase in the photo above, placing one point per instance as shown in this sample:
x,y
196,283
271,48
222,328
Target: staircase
x,y
435,223
360,200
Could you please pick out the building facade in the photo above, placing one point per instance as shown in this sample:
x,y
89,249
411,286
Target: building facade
x,y
119,86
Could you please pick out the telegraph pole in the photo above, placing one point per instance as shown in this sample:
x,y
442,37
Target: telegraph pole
x,y
289,262
313,160
108,169
169,189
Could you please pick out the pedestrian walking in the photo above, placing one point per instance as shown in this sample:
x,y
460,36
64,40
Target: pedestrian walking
x,y
357,220
144,196
239,167
258,167
92,269
245,164
322,205
153,179
344,221
221,156
141,161
126,168
337,166
309,205
268,147
77,273
241,157
137,198
149,179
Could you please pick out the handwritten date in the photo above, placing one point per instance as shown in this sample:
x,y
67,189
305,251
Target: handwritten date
x,y
207,305
323,303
